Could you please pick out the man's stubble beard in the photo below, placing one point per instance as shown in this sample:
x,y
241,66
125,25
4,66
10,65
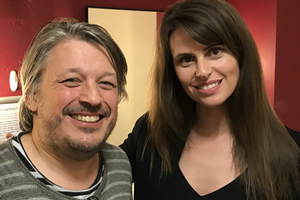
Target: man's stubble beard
x,y
73,149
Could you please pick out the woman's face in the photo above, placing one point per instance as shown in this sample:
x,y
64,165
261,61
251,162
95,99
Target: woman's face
x,y
208,74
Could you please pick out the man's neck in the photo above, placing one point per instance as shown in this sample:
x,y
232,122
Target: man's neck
x,y
68,173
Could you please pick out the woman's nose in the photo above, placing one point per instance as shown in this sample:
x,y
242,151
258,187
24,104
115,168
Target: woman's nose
x,y
203,70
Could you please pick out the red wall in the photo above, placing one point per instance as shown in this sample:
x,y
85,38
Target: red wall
x,y
287,82
274,23
20,19
275,26
261,19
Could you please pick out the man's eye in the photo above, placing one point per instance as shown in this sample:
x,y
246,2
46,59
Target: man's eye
x,y
71,82
106,85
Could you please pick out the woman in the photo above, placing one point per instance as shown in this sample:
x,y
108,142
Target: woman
x,y
210,132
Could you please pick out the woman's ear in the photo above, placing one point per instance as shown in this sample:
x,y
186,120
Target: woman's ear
x,y
31,102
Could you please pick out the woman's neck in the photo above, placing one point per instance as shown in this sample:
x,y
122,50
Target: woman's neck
x,y
212,121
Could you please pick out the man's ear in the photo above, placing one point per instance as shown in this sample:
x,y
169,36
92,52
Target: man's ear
x,y
31,102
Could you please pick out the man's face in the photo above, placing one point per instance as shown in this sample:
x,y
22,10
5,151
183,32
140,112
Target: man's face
x,y
77,102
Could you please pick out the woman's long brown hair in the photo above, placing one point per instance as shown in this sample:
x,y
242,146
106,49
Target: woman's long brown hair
x,y
262,143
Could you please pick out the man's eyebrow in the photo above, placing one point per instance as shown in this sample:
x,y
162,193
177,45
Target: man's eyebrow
x,y
79,70
74,69
110,74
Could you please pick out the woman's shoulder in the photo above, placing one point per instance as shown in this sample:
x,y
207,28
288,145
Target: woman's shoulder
x,y
141,128
134,143
295,135
143,120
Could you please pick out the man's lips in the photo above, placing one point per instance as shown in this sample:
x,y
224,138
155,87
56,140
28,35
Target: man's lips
x,y
87,118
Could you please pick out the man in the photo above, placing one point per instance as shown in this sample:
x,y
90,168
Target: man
x,y
73,77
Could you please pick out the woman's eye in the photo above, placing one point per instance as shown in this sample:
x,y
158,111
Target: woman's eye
x,y
186,60
216,51
106,85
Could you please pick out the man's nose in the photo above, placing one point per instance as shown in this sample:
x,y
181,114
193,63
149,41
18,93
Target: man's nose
x,y
91,94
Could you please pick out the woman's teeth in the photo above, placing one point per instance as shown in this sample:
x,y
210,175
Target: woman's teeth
x,y
212,85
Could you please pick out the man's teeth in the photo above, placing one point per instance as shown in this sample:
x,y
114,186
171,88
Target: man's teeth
x,y
84,118
212,85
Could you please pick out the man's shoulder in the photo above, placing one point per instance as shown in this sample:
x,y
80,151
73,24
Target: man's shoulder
x,y
116,160
108,146
8,158
5,148
113,151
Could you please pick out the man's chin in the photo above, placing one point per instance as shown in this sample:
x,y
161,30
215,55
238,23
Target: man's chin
x,y
86,148
92,140
87,144
84,151
88,130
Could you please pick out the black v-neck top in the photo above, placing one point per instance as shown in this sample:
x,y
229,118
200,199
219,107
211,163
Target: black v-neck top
x,y
172,186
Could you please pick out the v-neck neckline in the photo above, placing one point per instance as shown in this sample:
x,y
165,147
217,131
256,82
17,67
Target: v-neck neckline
x,y
213,193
